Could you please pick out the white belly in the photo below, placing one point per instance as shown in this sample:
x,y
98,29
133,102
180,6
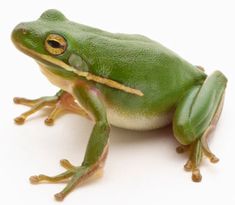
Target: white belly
x,y
138,122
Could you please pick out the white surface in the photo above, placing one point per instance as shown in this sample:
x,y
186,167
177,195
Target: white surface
x,y
142,167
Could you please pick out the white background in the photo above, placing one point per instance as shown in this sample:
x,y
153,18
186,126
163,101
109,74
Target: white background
x,y
142,167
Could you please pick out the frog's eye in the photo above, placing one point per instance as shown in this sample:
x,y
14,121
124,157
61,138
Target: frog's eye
x,y
55,44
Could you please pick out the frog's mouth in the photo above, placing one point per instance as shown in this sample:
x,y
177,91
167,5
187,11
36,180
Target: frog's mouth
x,y
89,76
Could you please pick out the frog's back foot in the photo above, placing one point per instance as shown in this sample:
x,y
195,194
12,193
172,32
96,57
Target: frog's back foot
x,y
196,116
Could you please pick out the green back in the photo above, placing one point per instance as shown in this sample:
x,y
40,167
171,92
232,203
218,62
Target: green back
x,y
132,60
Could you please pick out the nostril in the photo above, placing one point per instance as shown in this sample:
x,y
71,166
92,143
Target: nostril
x,y
23,31
19,31
20,28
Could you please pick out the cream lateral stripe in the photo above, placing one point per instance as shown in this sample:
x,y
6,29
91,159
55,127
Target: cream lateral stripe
x,y
87,75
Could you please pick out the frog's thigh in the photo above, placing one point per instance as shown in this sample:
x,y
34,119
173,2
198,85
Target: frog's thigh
x,y
196,110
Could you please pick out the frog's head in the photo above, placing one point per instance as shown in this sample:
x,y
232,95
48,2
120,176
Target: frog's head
x,y
52,41
47,40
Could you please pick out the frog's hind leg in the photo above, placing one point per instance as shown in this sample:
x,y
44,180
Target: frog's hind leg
x,y
196,115
201,147
208,131
58,103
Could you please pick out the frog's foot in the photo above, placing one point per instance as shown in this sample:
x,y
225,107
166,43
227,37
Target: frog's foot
x,y
182,149
62,101
196,150
185,148
194,161
74,175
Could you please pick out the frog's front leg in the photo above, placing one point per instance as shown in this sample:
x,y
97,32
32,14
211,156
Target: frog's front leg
x,y
61,101
97,148
195,116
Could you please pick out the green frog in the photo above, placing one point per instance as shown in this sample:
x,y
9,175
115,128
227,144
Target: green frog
x,y
124,80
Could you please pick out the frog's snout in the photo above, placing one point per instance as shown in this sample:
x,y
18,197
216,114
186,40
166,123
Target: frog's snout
x,y
18,32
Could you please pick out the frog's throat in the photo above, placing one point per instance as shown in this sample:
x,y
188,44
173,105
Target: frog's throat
x,y
87,75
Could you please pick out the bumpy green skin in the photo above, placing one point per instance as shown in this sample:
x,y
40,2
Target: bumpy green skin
x,y
132,60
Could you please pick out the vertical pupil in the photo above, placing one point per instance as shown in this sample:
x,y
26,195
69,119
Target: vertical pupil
x,y
54,44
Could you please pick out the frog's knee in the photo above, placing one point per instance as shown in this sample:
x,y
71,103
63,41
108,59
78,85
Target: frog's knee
x,y
183,131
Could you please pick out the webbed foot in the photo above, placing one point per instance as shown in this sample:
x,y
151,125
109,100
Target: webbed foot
x,y
196,152
58,103
74,175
